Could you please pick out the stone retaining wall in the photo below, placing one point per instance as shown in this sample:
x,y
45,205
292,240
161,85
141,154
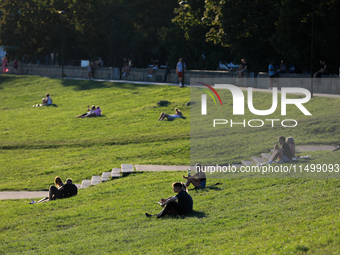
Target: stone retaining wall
x,y
328,84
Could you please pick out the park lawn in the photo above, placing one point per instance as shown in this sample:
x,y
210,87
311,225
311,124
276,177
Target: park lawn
x,y
240,216
39,143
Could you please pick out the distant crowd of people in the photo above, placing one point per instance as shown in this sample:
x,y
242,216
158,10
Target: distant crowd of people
x,y
154,66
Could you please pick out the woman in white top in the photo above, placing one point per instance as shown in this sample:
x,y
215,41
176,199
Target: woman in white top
x,y
45,101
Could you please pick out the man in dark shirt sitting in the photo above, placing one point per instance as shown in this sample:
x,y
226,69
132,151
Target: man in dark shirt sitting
x,y
180,204
68,189
283,154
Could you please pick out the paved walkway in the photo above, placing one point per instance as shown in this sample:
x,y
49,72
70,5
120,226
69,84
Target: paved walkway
x,y
39,194
159,168
22,194
316,148
176,84
141,168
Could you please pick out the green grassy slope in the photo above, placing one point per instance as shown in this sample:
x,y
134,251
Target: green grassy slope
x,y
39,143
241,216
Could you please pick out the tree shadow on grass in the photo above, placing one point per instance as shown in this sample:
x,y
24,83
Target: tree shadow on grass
x,y
5,78
79,85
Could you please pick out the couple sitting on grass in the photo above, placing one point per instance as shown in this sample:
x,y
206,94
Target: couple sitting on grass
x,y
93,112
46,101
285,153
60,190
182,203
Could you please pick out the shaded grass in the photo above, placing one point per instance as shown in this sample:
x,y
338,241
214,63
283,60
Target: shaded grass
x,y
241,216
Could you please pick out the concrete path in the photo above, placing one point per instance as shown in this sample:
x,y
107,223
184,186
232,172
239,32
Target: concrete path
x,y
316,148
159,168
140,168
39,194
22,194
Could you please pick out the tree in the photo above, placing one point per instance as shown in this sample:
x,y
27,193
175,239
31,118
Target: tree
x,y
110,29
245,27
199,53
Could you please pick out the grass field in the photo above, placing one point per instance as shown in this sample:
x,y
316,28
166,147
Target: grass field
x,y
39,143
240,216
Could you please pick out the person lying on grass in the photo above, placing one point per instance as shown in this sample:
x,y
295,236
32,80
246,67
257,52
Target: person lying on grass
x,y
93,112
46,101
59,191
198,179
178,114
180,204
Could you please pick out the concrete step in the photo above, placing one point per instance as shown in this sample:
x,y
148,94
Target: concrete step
x,y
78,185
106,176
247,163
266,156
95,180
85,184
127,169
115,173
257,160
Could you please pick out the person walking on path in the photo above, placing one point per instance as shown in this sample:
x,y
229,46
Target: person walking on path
x,y
271,72
180,70
4,65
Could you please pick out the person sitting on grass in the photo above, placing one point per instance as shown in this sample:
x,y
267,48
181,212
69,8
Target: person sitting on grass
x,y
198,179
178,114
46,101
89,112
53,192
59,191
97,112
180,204
283,154
291,143
68,189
